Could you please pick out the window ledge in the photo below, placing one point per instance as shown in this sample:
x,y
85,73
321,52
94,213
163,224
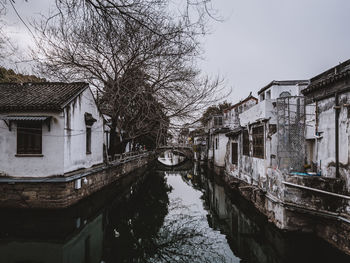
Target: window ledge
x,y
29,155
88,152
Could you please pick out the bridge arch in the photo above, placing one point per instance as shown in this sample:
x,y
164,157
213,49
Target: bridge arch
x,y
187,151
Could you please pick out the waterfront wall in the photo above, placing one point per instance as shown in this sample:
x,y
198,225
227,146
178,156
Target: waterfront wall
x,y
298,203
62,192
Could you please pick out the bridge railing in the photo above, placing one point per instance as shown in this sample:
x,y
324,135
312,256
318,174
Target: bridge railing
x,y
126,156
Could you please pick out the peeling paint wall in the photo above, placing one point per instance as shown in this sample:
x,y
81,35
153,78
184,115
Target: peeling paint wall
x,y
250,169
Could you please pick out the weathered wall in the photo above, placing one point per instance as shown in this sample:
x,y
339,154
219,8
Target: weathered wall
x,y
75,155
250,169
51,161
220,150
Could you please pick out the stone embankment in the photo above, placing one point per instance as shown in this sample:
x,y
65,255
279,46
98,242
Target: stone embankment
x,y
295,203
64,191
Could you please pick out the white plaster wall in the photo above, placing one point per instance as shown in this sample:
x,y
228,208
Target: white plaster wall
x,y
75,156
262,110
276,90
310,121
219,153
326,145
51,163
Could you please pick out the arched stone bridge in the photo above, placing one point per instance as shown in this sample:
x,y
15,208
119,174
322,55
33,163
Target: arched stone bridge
x,y
185,150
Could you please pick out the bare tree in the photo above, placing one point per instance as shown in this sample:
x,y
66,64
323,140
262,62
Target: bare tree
x,y
140,58
3,38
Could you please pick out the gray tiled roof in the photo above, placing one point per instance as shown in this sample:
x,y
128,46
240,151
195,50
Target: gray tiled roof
x,y
44,96
323,80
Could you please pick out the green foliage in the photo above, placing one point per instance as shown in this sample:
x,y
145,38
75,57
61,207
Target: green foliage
x,y
9,76
212,110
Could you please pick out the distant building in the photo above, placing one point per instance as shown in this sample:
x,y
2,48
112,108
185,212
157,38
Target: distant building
x,y
49,129
231,115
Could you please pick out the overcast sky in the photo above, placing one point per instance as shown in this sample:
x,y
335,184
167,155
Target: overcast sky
x,y
259,41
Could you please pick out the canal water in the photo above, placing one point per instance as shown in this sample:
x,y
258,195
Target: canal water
x,y
162,214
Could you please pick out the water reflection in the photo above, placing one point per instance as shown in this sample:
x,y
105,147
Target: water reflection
x,y
162,215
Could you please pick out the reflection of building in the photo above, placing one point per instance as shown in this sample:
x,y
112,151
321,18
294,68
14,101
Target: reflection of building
x,y
82,244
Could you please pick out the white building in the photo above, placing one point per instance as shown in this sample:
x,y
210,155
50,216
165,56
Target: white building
x,y
48,129
252,148
231,115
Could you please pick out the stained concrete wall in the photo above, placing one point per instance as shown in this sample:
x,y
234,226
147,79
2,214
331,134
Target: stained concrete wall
x,y
75,154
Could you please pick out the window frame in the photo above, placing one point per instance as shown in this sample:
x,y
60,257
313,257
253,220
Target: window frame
x,y
258,142
29,138
234,153
88,139
246,143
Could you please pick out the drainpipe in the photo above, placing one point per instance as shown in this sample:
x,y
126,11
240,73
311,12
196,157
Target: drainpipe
x,y
337,109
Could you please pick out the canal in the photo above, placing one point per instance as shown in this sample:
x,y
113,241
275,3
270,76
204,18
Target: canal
x,y
162,214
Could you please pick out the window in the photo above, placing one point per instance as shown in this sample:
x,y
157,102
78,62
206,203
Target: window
x,y
216,143
88,140
29,137
234,153
258,142
246,143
